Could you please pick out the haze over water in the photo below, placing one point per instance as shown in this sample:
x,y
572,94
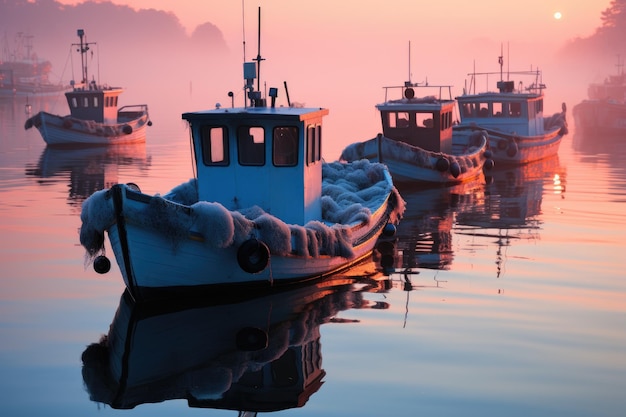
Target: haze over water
x,y
519,307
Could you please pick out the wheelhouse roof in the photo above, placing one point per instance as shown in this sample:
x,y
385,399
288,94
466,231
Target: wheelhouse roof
x,y
267,113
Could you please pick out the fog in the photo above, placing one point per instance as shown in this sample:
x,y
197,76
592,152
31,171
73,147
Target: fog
x,y
151,54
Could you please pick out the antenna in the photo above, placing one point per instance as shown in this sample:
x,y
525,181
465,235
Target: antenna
x,y
83,48
409,62
258,56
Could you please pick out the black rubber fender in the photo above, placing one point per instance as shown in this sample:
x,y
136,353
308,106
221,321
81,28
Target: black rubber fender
x,y
253,256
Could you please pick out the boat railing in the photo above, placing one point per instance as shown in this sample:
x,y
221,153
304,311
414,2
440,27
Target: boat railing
x,y
505,83
421,90
133,108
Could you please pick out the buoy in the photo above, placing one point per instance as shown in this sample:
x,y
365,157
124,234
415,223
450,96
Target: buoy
x,y
149,122
442,164
133,186
488,165
128,129
488,154
511,151
253,256
389,230
101,264
455,169
251,338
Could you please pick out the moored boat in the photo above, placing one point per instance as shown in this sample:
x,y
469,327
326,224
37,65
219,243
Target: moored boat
x,y
604,111
512,116
95,118
417,143
23,73
264,209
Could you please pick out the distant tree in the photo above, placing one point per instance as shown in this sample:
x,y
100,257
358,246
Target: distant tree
x,y
615,15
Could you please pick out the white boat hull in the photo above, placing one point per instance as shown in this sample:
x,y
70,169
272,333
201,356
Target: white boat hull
x,y
408,163
508,149
68,131
157,262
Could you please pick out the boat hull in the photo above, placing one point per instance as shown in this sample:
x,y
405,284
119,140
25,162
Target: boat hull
x,y
68,131
158,262
510,149
600,116
408,163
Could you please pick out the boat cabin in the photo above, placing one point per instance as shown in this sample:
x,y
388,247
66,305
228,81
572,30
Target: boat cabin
x,y
268,157
425,122
93,102
509,109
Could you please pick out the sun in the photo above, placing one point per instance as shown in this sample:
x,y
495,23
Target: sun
x,y
557,15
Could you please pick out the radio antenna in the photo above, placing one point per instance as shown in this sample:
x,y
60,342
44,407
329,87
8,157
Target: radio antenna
x,y
258,56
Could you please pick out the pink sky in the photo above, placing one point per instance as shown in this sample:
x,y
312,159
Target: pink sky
x,y
530,19
339,54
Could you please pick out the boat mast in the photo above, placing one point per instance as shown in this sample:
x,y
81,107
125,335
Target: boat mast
x,y
83,47
258,58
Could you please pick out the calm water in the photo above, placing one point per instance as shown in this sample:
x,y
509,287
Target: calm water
x,y
517,307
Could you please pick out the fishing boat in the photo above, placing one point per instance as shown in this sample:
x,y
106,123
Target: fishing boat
x,y
512,116
417,143
604,111
23,73
263,210
259,354
95,118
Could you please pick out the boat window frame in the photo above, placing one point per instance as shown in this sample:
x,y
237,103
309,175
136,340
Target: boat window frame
x,y
395,121
207,144
313,144
285,146
251,145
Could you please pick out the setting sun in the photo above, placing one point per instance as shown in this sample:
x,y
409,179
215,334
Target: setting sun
x,y
557,15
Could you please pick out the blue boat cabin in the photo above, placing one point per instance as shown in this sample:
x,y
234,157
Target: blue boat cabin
x,y
260,156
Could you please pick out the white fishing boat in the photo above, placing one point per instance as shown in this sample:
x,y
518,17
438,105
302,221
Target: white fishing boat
x,y
417,143
264,208
512,116
23,73
261,354
604,111
95,118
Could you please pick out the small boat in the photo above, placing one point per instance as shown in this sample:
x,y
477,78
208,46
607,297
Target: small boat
x,y
263,210
512,117
22,73
259,354
418,144
94,118
604,111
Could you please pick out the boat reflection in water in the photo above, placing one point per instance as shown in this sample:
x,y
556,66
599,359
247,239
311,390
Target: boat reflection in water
x,y
512,204
424,236
89,169
255,355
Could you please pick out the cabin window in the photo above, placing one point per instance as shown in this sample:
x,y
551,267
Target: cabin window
x,y
483,110
498,109
539,106
251,145
398,119
516,109
285,146
74,102
425,120
446,120
313,144
284,372
85,101
214,141
95,101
